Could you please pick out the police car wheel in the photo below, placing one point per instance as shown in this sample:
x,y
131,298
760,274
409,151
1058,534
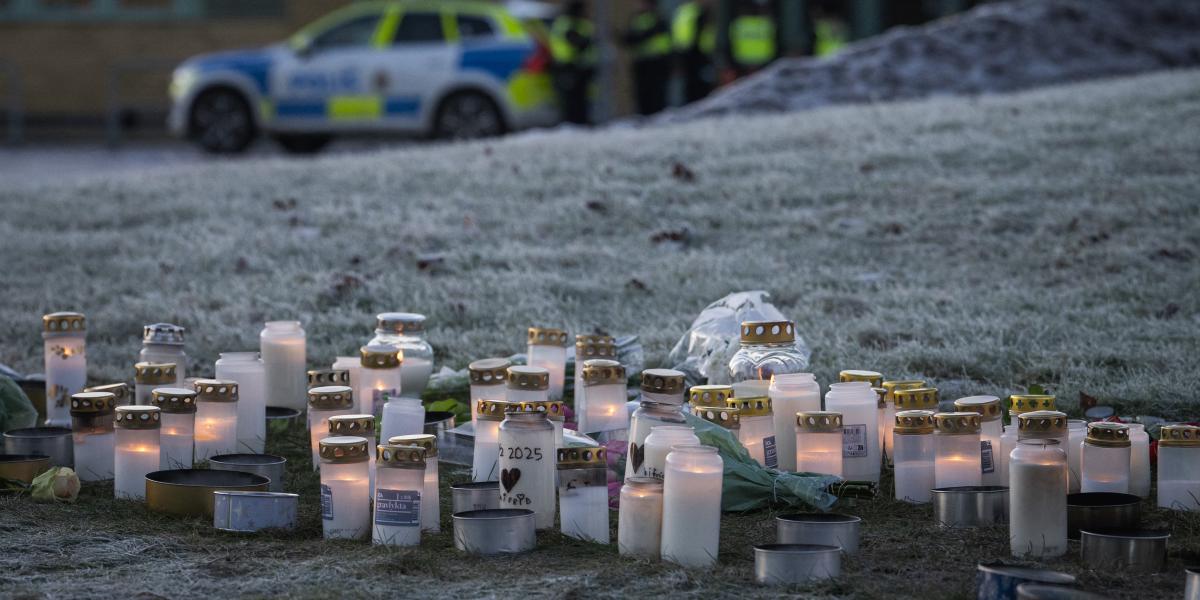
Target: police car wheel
x,y
468,115
297,143
221,121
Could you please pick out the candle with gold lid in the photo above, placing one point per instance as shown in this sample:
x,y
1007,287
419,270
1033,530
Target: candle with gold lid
x,y
283,347
353,364
360,426
888,415
150,376
874,378
177,430
216,417
121,393
691,530
767,348
583,493
246,368
605,385
325,402
526,464
547,349
555,411
1105,459
324,377
527,384
399,495
1038,499
431,512
137,450
639,524
923,398
757,432
819,442
1042,424
661,404
1019,404
709,395
92,415
489,379
729,418
956,439
790,394
914,451
378,379
406,332
345,488
589,347
859,407
1179,467
488,415
64,338
991,430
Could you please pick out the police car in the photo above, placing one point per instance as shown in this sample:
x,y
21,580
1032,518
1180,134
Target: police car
x,y
447,69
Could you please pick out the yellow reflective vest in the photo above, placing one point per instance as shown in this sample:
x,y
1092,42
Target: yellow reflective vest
x,y
561,48
684,30
657,44
752,40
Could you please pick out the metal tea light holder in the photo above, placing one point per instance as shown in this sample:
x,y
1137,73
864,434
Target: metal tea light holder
x,y
789,564
495,531
273,467
55,442
251,511
475,495
822,529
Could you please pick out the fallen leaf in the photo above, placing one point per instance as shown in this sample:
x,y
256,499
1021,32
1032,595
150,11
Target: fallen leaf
x,y
242,265
681,172
676,235
636,284
597,206
284,203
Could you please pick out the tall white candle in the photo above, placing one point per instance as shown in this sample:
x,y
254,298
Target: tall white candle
x,y
1019,404
488,381
178,406
1105,460
554,410
353,366
431,512
247,369
1038,499
1179,467
137,450
661,404
658,445
527,465
1139,460
65,360
790,394
592,347
345,488
92,433
889,411
282,346
990,431
216,417
399,501
355,425
914,455
604,383
1076,433
325,402
818,441
548,349
956,440
691,528
486,454
757,432
379,378
860,432
639,522
583,493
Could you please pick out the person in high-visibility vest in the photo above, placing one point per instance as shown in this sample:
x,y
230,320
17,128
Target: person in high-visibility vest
x,y
694,35
573,48
752,39
649,39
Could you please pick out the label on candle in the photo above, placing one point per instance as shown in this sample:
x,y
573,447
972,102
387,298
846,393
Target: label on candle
x,y
397,507
854,441
985,455
326,503
769,452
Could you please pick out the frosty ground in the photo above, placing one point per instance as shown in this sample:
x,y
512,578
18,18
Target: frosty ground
x,y
986,244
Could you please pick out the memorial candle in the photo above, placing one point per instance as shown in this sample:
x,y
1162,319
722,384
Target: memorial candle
x,y
1038,499
357,426
488,381
1179,467
991,429
489,414
889,411
1076,433
767,348
325,402
639,521
345,488
282,346
548,349
177,427
398,495
527,465
350,364
163,343
137,450
406,332
65,360
589,347
818,440
431,512
216,417
247,369
1104,464
148,377
956,440
661,404
691,528
1018,405
790,394
583,493
914,455
527,384
758,429
858,406
92,434
379,378
658,445
604,383
120,391
1139,460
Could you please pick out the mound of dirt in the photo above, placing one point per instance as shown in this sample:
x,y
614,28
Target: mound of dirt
x,y
994,48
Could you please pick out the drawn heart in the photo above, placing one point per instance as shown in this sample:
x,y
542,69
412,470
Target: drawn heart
x,y
638,455
509,478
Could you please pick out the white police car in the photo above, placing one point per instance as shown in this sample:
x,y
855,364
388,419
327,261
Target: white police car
x,y
449,69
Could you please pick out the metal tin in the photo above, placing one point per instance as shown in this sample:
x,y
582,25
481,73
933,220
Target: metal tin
x,y
23,467
475,495
54,442
438,422
1192,589
1041,591
281,419
786,564
189,492
1140,551
268,465
1102,512
1098,413
998,581
495,531
970,506
254,511
821,529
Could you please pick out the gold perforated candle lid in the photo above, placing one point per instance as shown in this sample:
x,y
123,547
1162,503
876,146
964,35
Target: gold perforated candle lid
x,y
399,456
750,406
1108,435
554,410
174,400
872,377
881,395
725,417
768,332
216,390
957,423
64,322
1179,436
710,395
1023,403
663,381
601,371
593,338
148,373
488,371
988,407
426,441
588,347
1041,423
582,458
137,417
400,322
343,449
331,397
492,410
320,377
547,336
521,377
900,384
819,421
93,403
924,398
914,422
360,425
120,390
380,356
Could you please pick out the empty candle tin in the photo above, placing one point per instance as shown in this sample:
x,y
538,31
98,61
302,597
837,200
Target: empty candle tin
x,y
821,529
1140,551
54,442
254,511
495,531
998,581
189,492
1041,591
23,467
1191,590
438,422
1102,512
475,495
785,564
268,465
970,506
281,419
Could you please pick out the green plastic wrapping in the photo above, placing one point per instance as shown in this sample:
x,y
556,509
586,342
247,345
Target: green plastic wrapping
x,y
16,411
749,486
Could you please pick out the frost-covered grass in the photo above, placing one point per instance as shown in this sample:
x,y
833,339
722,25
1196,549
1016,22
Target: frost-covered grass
x,y
986,244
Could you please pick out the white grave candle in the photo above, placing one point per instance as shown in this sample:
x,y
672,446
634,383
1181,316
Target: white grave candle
x,y
137,450
604,383
345,488
790,394
247,369
991,429
1038,499
1105,460
860,444
1139,460
406,332
357,426
488,381
818,441
1179,467
661,404
914,454
163,343
583,493
216,418
489,414
639,522
379,378
757,432
398,495
527,465
956,440
283,355
889,411
176,432
431,512
65,360
548,349
92,433
589,347
658,445
325,402
691,528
